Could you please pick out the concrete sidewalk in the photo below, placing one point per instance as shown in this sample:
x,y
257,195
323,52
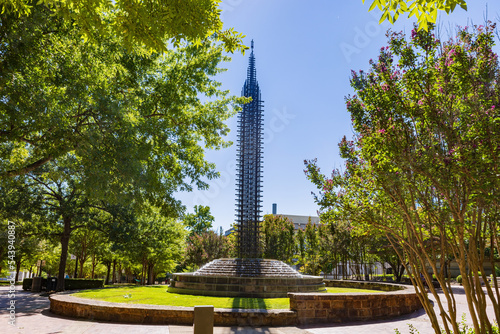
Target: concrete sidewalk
x,y
33,317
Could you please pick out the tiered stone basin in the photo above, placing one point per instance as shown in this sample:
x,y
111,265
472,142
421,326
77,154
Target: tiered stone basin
x,y
260,278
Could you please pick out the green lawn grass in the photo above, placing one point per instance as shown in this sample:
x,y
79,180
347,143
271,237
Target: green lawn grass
x,y
158,295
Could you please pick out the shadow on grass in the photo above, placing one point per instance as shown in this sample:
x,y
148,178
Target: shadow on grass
x,y
249,303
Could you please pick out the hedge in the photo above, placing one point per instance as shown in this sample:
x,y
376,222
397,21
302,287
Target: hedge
x,y
69,283
8,283
82,283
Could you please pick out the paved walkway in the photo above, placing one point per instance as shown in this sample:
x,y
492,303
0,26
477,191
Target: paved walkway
x,y
33,317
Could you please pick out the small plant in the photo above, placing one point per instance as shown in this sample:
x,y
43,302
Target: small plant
x,y
459,279
465,329
413,330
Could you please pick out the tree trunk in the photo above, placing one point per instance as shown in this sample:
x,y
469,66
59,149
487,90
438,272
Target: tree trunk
x,y
108,265
18,267
150,274
64,253
114,272
143,273
76,268
94,264
82,262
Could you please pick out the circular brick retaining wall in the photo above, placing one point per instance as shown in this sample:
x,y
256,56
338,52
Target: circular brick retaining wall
x,y
67,305
305,308
348,307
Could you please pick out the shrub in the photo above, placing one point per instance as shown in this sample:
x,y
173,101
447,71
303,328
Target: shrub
x,y
459,279
8,283
27,282
82,283
69,283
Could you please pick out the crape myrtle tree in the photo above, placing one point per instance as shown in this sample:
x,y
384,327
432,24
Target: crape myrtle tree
x,y
423,165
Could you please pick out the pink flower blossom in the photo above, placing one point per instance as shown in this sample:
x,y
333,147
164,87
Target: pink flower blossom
x,y
381,131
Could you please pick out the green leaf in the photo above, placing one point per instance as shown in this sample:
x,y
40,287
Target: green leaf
x,y
375,3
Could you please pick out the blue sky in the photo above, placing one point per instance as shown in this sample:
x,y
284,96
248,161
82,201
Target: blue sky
x,y
304,55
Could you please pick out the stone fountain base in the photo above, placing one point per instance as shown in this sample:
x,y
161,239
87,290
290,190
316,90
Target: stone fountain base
x,y
261,278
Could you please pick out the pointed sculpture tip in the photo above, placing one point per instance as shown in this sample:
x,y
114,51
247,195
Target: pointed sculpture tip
x,y
252,45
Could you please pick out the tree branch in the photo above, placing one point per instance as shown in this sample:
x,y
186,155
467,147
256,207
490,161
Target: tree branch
x,y
27,169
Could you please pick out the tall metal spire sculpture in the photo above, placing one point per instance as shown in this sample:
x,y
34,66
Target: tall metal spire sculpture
x,y
250,275
249,167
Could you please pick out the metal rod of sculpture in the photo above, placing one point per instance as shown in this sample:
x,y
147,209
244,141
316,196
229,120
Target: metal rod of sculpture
x,y
249,167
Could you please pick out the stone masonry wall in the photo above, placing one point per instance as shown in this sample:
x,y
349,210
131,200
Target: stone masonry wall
x,y
305,308
332,307
363,285
64,304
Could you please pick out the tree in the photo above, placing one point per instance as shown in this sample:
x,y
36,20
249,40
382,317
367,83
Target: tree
x,y
335,242
300,242
424,11
65,206
200,221
278,238
133,119
205,247
26,245
423,166
84,245
312,264
156,243
147,23
380,246
21,222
